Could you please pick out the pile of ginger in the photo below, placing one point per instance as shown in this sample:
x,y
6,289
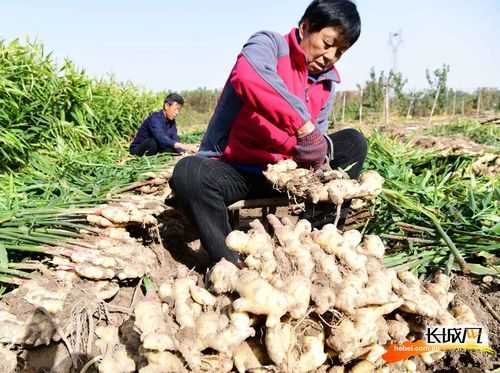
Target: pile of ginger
x,y
307,301
333,186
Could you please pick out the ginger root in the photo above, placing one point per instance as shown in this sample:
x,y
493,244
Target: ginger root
x,y
416,299
224,277
115,357
261,298
353,338
8,360
314,355
245,359
185,313
162,362
279,340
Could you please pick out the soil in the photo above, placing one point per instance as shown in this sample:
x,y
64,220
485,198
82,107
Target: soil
x,y
473,292
53,358
414,133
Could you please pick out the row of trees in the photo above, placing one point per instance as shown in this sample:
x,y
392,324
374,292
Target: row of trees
x,y
382,90
201,100
387,89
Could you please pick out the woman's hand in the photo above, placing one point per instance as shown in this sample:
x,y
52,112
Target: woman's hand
x,y
311,148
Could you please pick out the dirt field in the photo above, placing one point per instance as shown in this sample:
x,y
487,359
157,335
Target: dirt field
x,y
68,336
414,133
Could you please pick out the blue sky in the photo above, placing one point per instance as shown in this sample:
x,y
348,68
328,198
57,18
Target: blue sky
x,y
193,43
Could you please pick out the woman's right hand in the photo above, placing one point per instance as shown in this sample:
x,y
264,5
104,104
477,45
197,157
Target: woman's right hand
x,y
311,149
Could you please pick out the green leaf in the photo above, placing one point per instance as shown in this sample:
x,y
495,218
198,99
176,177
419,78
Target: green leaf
x,y
4,258
148,284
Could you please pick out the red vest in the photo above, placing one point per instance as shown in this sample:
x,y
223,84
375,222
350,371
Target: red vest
x,y
268,96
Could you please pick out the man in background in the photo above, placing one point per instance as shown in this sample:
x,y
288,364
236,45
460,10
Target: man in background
x,y
158,133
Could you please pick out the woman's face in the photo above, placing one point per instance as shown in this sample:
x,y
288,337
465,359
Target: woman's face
x,y
322,48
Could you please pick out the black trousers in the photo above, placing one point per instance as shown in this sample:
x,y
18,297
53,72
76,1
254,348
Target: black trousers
x,y
149,147
204,188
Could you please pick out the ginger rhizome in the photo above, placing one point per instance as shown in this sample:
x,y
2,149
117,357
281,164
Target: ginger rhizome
x,y
329,186
295,280
308,300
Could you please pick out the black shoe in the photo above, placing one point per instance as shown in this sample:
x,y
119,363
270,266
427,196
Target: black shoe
x,y
171,201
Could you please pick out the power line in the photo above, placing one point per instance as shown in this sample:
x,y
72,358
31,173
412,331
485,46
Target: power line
x,y
395,41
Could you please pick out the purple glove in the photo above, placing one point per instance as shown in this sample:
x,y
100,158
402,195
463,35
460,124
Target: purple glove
x,y
311,150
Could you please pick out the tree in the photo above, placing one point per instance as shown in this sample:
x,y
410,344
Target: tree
x,y
374,91
397,83
438,81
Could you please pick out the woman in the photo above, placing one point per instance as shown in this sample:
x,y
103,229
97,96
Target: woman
x,y
274,106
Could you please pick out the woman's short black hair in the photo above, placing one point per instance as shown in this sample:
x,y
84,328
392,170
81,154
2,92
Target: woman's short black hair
x,y
174,97
341,14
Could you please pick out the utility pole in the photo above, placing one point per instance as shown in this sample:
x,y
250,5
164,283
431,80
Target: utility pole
x,y
395,41
454,103
360,105
343,107
446,105
478,101
410,107
386,103
434,104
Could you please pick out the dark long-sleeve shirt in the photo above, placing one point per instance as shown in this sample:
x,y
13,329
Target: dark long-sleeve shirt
x,y
158,127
